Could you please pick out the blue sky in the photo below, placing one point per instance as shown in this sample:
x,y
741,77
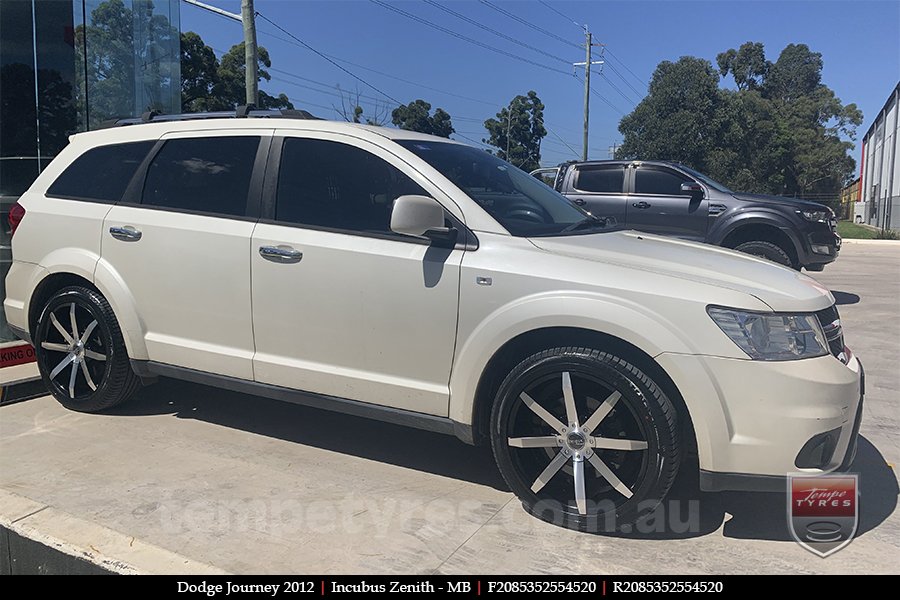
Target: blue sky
x,y
858,40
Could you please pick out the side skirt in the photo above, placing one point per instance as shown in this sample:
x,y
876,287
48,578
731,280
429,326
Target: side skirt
x,y
149,369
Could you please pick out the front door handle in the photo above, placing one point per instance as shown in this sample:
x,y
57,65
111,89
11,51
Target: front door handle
x,y
126,234
579,201
281,254
641,205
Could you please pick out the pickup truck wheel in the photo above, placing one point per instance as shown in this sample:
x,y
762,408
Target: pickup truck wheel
x,y
766,250
585,439
80,352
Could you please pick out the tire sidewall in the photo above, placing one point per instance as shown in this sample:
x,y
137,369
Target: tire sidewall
x,y
767,250
610,370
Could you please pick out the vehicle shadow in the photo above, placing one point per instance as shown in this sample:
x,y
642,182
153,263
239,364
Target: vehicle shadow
x,y
686,513
384,442
842,298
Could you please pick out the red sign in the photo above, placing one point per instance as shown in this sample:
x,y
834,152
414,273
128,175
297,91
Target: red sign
x,y
823,511
19,354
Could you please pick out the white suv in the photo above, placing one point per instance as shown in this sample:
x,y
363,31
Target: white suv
x,y
420,281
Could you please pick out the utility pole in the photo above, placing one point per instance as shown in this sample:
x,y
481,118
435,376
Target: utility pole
x,y
588,44
508,126
251,62
612,149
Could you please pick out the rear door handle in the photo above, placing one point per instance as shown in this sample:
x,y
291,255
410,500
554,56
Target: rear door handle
x,y
579,201
642,205
126,233
281,254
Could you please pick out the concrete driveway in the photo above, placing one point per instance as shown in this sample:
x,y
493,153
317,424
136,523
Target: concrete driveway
x,y
190,478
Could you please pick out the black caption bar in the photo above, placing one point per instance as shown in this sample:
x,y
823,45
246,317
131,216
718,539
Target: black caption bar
x,y
309,586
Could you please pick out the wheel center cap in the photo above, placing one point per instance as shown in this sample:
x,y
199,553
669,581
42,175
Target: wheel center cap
x,y
576,441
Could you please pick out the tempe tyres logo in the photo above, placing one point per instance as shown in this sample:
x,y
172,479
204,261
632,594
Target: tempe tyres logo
x,y
823,511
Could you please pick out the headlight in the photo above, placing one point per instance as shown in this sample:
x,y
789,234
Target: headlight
x,y
772,336
816,216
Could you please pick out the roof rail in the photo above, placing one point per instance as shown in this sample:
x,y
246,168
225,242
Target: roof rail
x,y
241,112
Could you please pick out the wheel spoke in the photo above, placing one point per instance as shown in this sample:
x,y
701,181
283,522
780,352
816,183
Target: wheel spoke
x,y
604,409
542,413
614,444
548,473
62,330
569,397
580,499
88,331
72,380
94,355
609,476
543,441
62,365
54,347
74,321
87,376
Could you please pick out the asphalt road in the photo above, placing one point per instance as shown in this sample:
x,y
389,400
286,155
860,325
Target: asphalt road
x,y
249,485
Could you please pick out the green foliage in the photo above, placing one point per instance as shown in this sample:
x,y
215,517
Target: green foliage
x,y
518,130
416,116
209,84
781,132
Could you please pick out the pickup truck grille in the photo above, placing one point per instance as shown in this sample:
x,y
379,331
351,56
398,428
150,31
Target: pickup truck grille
x,y
834,333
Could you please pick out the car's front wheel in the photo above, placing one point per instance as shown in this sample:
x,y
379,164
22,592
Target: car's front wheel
x,y
585,439
81,353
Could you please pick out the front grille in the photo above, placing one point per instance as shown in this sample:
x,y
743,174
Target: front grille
x,y
831,323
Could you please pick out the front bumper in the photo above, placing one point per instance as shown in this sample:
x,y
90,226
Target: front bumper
x,y
754,420
821,247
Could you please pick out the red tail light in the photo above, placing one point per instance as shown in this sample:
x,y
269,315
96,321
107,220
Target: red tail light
x,y
16,213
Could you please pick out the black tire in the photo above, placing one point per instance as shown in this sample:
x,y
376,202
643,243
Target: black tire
x,y
767,250
641,415
93,370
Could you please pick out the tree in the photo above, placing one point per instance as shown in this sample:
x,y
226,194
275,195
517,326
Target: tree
x,y
208,84
416,116
781,132
748,65
199,73
518,130
351,109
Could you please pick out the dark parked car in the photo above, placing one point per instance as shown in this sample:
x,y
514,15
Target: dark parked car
x,y
674,200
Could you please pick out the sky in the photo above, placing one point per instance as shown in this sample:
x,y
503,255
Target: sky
x,y
858,41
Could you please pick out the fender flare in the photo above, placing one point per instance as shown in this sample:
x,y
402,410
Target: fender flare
x,y
759,217
116,292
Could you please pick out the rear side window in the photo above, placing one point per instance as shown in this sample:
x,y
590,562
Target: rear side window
x,y
101,174
338,186
602,180
661,182
207,175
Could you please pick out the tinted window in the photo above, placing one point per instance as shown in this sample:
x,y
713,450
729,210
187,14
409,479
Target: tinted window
x,y
520,203
608,180
209,175
657,181
101,173
329,184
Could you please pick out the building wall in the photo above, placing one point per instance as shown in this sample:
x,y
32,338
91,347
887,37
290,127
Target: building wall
x,y
880,188
67,66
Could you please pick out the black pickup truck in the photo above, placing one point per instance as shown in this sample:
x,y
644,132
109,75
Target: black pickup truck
x,y
670,199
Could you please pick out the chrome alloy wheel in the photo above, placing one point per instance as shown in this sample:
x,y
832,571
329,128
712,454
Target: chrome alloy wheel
x,y
73,356
612,439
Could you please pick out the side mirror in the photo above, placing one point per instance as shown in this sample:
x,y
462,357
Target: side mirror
x,y
691,188
422,217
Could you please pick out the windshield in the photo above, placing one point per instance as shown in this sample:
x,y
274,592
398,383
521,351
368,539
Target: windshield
x,y
522,204
704,179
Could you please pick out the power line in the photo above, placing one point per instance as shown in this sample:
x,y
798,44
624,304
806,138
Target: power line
x,y
460,36
601,96
494,31
614,87
311,49
529,24
567,18
624,66
625,81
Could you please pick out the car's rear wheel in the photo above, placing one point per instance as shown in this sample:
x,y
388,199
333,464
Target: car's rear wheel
x,y
81,353
767,250
585,439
